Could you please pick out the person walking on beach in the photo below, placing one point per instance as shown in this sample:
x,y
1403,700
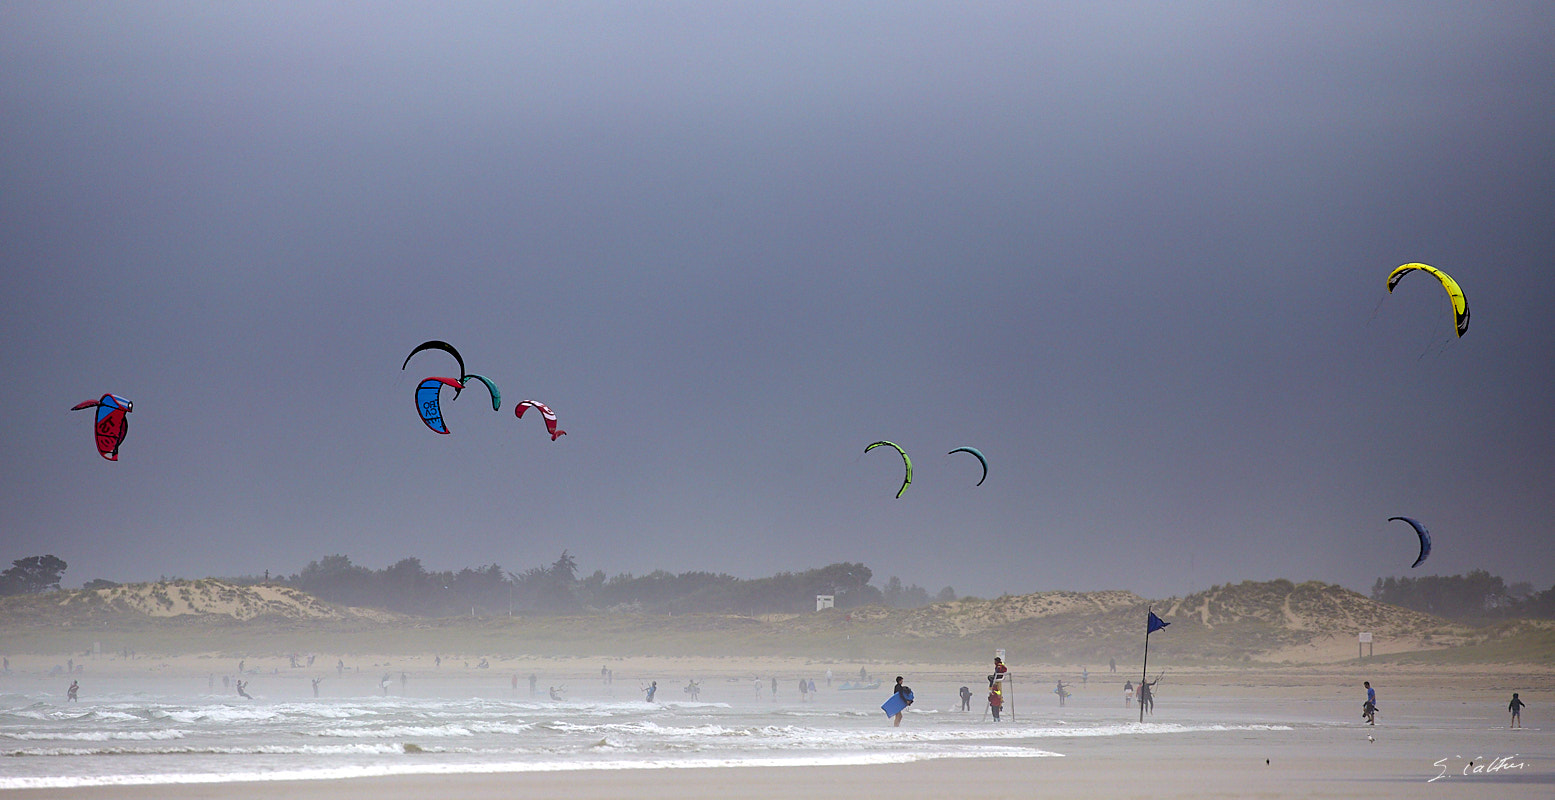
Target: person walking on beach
x,y
1369,708
906,695
72,692
1516,707
1112,665
966,699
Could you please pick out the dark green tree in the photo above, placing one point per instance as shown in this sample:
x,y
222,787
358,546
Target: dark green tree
x,y
32,575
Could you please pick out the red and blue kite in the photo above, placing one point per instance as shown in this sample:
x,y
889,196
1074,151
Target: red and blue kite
x,y
426,401
112,424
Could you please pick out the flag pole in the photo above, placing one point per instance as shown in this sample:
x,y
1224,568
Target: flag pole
x,y
1145,671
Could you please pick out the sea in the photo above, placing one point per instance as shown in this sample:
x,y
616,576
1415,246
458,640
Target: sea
x,y
120,737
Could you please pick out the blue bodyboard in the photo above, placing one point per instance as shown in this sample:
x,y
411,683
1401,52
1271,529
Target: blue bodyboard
x,y
895,705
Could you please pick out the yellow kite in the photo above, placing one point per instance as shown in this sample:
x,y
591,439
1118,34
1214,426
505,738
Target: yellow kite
x,y
1460,306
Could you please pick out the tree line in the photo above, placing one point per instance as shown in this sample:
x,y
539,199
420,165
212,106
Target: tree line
x,y
1477,596
408,587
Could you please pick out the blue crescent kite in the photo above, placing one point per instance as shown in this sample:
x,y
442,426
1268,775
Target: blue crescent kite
x,y
427,405
1425,539
974,451
112,424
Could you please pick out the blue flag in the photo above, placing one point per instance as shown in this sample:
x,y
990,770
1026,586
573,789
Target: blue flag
x,y
1155,624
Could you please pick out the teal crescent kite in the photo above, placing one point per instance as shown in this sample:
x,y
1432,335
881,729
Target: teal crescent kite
x,y
496,396
974,451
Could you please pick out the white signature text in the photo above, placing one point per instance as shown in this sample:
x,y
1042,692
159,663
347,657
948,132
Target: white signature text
x,y
1476,766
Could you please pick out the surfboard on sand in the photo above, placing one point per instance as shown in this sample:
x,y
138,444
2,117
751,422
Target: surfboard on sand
x,y
895,705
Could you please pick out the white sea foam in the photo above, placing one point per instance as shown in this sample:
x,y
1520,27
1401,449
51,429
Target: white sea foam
x,y
139,740
381,770
346,749
94,736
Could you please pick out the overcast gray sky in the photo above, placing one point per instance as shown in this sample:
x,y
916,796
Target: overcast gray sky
x,y
1134,252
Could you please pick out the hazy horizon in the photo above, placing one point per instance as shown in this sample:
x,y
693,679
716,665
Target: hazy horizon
x,y
1135,253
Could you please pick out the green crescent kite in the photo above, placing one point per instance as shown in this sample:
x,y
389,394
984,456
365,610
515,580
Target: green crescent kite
x,y
906,482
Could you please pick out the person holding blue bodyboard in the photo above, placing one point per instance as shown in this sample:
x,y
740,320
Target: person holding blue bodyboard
x,y
901,698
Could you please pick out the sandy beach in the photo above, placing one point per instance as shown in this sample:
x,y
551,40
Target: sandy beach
x,y
1399,769
1268,731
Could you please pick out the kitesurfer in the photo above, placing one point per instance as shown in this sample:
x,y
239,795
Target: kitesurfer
x,y
70,694
1061,692
653,689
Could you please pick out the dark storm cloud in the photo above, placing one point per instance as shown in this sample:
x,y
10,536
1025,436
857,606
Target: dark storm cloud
x,y
1134,253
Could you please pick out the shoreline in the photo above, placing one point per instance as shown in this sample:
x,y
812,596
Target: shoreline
x,y
1166,772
